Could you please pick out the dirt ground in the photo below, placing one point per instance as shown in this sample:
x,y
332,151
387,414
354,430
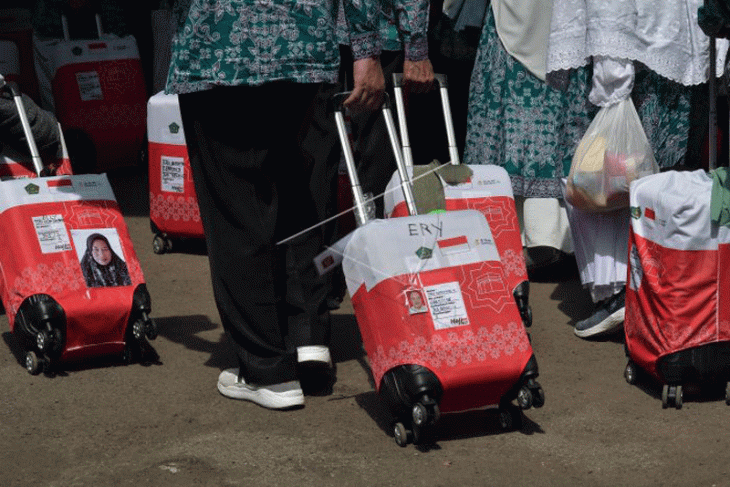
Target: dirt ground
x,y
164,423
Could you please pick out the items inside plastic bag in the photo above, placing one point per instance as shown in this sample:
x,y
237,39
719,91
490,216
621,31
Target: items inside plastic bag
x,y
613,153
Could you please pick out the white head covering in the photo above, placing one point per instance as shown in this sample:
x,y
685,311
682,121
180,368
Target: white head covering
x,y
524,28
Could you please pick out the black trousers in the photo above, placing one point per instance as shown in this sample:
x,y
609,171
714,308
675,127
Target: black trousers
x,y
255,187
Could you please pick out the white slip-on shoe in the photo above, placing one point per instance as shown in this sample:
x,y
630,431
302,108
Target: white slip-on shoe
x,y
276,396
314,353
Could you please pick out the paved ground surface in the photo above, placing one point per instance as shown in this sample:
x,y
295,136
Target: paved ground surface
x,y
164,423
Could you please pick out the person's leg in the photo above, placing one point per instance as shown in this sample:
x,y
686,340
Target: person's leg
x,y
239,146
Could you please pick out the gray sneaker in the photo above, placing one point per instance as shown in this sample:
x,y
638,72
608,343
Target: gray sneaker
x,y
277,396
608,318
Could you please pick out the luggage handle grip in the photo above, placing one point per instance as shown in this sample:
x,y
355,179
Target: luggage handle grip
x,y
22,114
359,198
442,80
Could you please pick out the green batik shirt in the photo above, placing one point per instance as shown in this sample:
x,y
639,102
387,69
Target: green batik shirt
x,y
403,26
251,42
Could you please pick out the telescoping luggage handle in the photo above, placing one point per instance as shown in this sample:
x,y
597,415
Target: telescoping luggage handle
x,y
448,121
67,33
34,153
712,83
361,214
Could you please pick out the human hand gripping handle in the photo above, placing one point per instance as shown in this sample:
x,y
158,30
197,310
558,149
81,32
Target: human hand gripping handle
x,y
367,94
418,76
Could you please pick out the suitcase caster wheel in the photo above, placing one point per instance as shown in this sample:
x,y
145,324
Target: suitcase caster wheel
x,y
538,395
672,395
524,398
420,414
138,330
42,340
425,414
678,397
161,244
150,329
33,364
401,434
630,373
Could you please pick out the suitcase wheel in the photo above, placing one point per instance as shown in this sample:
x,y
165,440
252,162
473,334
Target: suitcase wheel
x,y
631,373
424,415
672,395
34,364
161,244
531,395
426,412
402,435
144,328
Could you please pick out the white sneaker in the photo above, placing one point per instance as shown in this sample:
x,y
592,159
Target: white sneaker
x,y
314,353
277,396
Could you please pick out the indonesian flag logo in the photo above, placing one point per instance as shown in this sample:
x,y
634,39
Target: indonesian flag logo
x,y
649,213
58,183
454,245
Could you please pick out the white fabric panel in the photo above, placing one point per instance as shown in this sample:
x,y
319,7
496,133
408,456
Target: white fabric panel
x,y
30,191
487,180
163,111
383,249
665,36
673,209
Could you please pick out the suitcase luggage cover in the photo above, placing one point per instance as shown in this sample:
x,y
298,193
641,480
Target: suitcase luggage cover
x,y
679,264
489,190
468,331
47,223
173,203
97,87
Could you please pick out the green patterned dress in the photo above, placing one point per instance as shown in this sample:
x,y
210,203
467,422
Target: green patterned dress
x,y
517,121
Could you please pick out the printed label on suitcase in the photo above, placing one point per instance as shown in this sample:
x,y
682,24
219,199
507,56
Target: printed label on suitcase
x,y
447,305
172,171
52,234
89,86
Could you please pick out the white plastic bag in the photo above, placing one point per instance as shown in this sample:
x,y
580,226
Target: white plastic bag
x,y
613,152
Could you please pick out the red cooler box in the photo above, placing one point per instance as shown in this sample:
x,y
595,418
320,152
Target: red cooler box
x,y
174,211
677,322
99,96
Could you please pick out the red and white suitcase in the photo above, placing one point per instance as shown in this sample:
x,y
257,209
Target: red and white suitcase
x,y
677,323
174,211
72,286
98,93
488,190
439,324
